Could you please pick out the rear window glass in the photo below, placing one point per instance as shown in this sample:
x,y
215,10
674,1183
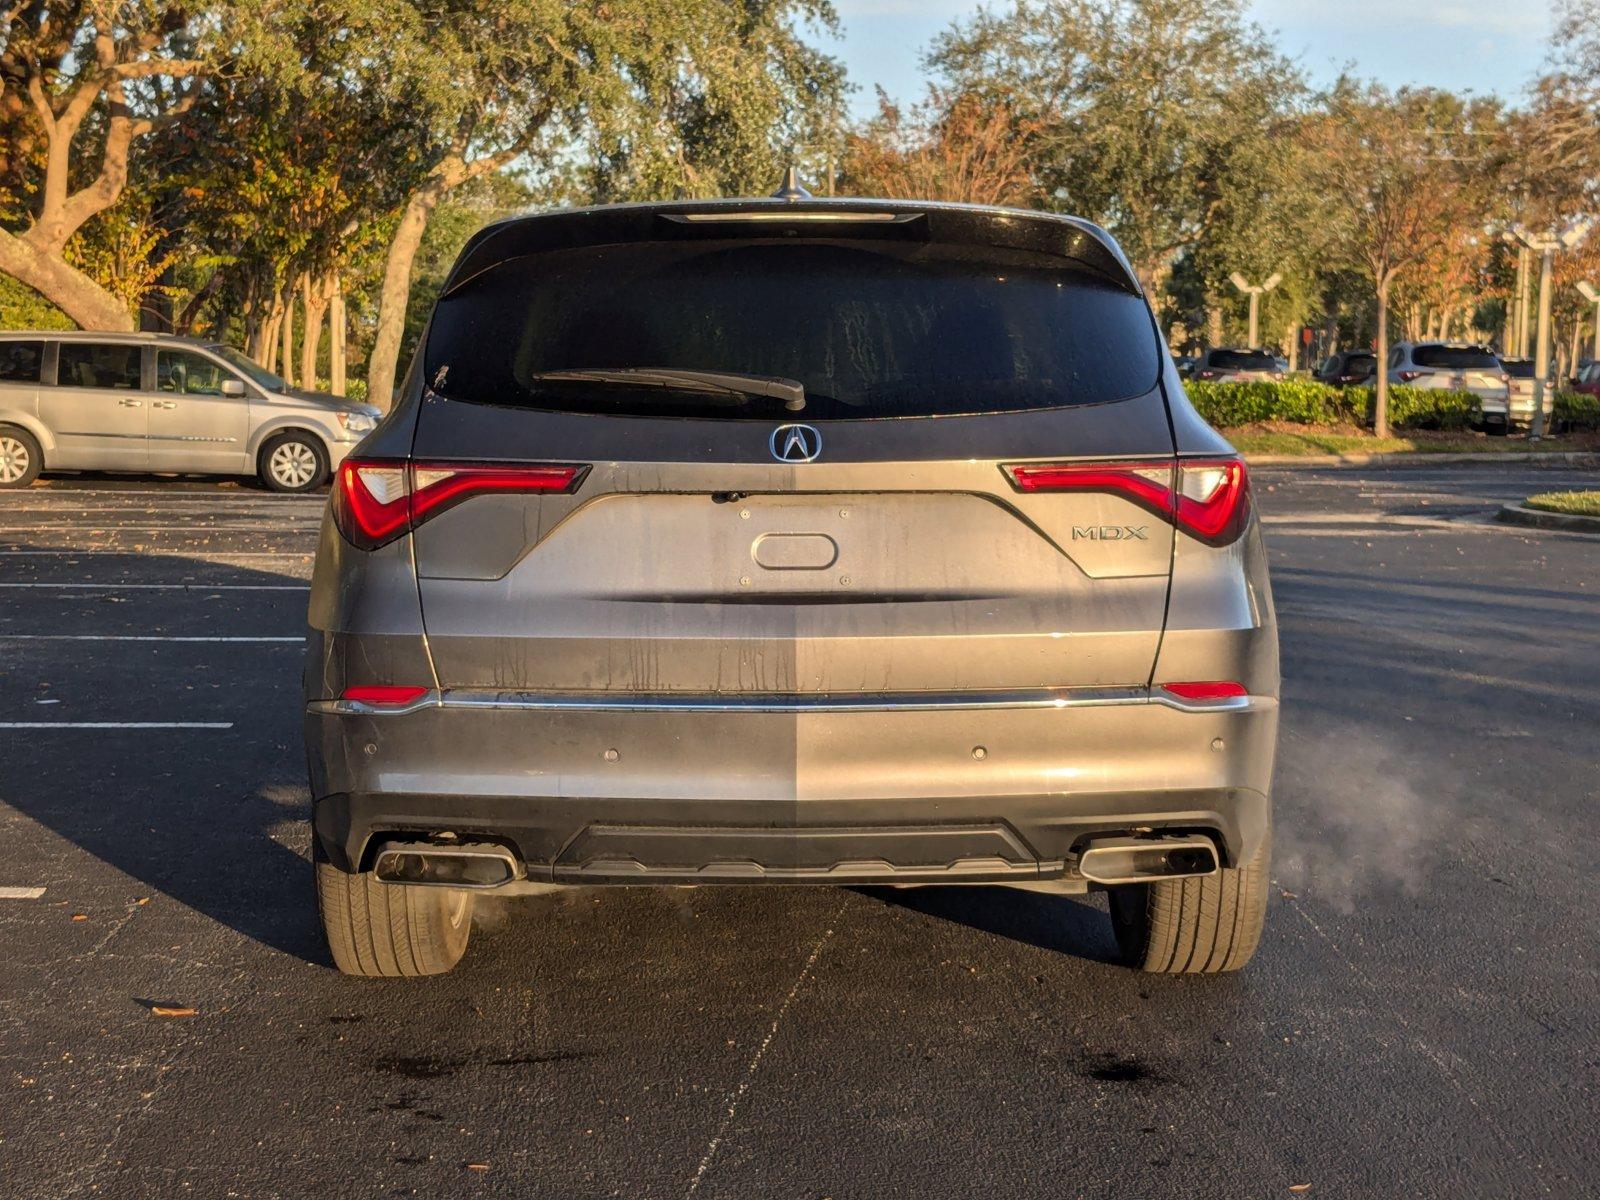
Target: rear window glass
x,y
1456,358
1241,360
868,330
82,364
1518,368
20,362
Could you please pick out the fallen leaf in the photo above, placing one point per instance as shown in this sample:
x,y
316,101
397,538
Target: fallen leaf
x,y
171,1010
477,1166
142,900
1299,1187
80,916
1290,895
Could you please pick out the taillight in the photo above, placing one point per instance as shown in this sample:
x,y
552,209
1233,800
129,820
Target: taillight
x,y
377,500
1207,498
1207,373
1408,376
1207,690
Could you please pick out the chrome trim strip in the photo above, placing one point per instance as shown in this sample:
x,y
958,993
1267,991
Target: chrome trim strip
x,y
485,699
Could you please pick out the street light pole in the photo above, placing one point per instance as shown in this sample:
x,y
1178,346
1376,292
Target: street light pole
x,y
1254,291
1588,292
1546,245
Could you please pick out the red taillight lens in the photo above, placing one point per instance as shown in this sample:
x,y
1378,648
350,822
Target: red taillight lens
x,y
377,500
1207,498
1208,690
384,694
1408,376
1207,373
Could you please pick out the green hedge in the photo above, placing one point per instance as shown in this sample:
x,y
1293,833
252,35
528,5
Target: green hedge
x,y
1300,401
1307,402
1575,410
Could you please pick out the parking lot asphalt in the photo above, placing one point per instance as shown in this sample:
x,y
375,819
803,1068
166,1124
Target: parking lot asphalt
x,y
1420,1020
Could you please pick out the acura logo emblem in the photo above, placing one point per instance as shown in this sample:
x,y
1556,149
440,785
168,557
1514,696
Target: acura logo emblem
x,y
795,443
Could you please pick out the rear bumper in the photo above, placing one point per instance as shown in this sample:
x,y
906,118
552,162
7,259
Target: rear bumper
x,y
818,790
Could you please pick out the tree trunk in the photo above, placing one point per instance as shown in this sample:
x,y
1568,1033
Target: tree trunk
x,y
385,360
316,302
286,332
336,336
1380,397
88,304
1214,325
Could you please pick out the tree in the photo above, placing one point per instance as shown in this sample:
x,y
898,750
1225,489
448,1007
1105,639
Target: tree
x,y
967,148
1405,174
670,95
95,75
1145,110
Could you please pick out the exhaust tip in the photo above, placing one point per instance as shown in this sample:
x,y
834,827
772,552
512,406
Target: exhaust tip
x,y
1114,860
453,865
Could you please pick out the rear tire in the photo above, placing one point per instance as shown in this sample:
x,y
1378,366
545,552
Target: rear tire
x,y
292,462
1199,926
20,457
390,930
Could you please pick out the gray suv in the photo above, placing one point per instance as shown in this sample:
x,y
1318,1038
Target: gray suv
x,y
150,402
791,542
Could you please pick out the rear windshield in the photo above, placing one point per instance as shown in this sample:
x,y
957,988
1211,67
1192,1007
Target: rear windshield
x,y
1242,360
879,330
1518,368
1456,358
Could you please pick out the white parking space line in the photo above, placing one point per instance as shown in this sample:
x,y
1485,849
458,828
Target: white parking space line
x,y
116,724
168,587
133,637
21,893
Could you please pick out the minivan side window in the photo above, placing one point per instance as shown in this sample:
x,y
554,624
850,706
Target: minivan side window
x,y
188,373
21,362
84,364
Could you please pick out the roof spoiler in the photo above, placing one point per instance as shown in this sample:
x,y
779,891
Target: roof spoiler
x,y
1084,243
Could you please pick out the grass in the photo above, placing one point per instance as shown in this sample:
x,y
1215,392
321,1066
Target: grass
x,y
1578,504
1304,440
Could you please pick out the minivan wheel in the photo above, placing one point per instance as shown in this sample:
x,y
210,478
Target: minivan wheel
x,y
1198,926
293,462
20,459
390,930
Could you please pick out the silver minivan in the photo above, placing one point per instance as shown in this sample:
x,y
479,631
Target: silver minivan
x,y
791,542
152,402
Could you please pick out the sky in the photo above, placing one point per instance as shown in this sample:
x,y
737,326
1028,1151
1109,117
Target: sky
x,y
1477,45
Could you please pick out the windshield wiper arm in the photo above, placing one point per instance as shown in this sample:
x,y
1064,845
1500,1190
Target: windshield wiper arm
x,y
791,391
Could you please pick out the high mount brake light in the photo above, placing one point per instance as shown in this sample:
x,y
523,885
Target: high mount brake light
x,y
384,694
1207,498
377,500
1209,690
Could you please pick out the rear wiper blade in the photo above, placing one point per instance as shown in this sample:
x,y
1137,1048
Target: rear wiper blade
x,y
791,391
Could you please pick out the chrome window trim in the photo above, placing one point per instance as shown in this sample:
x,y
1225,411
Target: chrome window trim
x,y
490,699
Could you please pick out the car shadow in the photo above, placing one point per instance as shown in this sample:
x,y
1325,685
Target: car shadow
x,y
1062,924
217,819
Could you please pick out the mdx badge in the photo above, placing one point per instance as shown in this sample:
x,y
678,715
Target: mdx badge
x,y
1109,533
795,443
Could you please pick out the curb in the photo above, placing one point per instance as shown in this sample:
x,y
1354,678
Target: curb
x,y
1562,458
1521,514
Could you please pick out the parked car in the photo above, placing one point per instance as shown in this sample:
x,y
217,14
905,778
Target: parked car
x,y
1588,380
1455,367
791,541
151,402
1519,379
1240,366
1348,368
1186,364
